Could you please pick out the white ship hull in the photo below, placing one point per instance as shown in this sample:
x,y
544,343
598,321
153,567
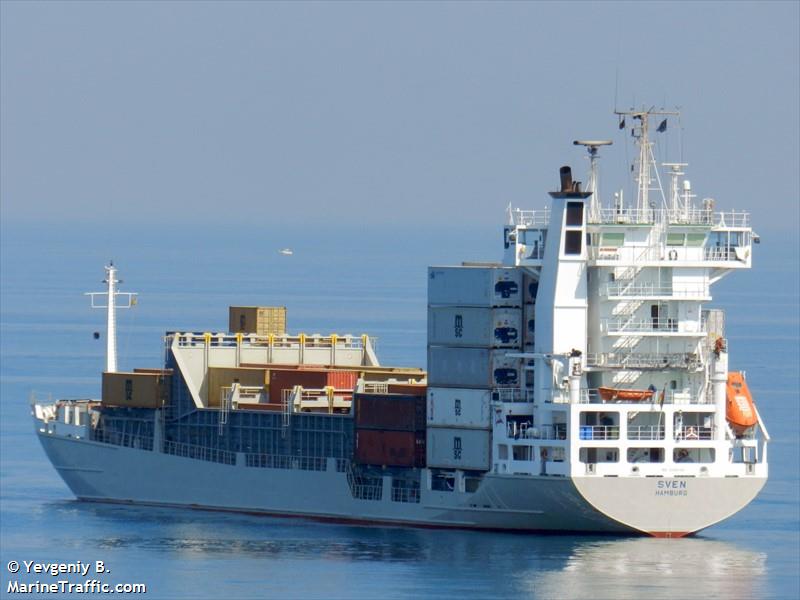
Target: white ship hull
x,y
108,473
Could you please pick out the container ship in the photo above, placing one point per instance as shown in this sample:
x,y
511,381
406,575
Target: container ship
x,y
577,385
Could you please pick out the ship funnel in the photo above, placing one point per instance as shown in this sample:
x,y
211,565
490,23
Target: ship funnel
x,y
569,188
566,178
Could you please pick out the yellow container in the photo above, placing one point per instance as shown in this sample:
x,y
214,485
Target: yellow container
x,y
261,320
220,378
136,390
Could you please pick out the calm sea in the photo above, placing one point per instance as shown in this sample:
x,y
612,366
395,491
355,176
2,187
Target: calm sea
x,y
346,281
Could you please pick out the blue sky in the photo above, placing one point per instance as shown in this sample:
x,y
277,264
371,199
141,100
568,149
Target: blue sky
x,y
263,114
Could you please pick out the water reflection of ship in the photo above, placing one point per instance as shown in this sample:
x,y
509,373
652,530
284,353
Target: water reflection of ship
x,y
633,568
497,564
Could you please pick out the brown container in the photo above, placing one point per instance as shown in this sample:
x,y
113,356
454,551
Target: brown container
x,y
280,380
224,377
313,379
135,390
394,412
390,448
261,320
407,389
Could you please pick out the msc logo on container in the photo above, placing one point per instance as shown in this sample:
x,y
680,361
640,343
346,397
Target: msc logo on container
x,y
456,448
458,328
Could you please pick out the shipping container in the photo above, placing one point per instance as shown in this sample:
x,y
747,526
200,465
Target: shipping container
x,y
459,407
473,326
261,320
449,448
528,325
136,390
530,289
408,389
472,368
394,412
390,448
312,379
474,286
221,378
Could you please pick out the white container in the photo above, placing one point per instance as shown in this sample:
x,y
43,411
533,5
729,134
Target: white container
x,y
474,286
528,325
530,287
449,448
472,326
459,407
472,368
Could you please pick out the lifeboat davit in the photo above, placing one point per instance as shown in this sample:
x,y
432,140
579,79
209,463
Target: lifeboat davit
x,y
740,410
610,394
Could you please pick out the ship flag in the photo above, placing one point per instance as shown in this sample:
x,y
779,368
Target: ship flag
x,y
662,126
622,123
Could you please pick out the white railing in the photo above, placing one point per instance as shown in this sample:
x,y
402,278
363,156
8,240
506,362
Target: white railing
x,y
599,432
720,253
640,325
644,360
375,387
592,396
648,289
527,218
627,215
645,432
692,216
215,340
733,218
693,432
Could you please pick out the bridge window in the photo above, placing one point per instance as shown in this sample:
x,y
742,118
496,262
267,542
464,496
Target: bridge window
x,y
599,455
693,455
645,455
522,452
572,242
612,240
574,214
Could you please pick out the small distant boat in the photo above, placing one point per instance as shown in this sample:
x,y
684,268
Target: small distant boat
x,y
609,394
286,251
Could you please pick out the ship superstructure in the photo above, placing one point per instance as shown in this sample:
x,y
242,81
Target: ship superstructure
x,y
578,385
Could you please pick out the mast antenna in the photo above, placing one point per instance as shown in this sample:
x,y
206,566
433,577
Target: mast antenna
x,y
646,161
593,184
112,305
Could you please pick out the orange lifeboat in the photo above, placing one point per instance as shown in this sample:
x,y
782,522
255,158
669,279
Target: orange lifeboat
x,y
740,410
611,394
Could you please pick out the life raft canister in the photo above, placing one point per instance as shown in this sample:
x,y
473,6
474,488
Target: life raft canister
x,y
740,409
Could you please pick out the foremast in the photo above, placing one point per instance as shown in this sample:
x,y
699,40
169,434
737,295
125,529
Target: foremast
x,y
111,305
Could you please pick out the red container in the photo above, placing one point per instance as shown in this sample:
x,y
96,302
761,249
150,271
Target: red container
x,y
393,412
342,380
390,448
